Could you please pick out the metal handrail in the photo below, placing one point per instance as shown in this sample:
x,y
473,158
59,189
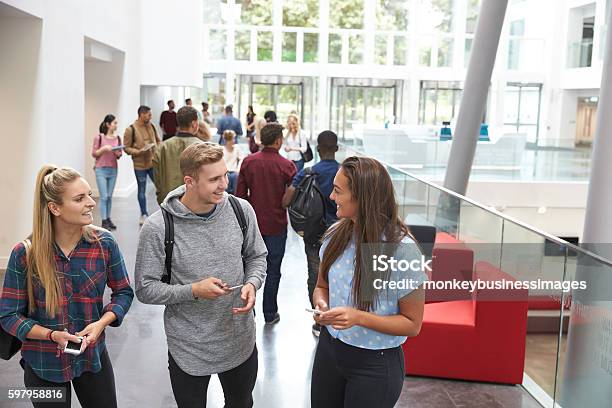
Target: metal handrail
x,y
530,228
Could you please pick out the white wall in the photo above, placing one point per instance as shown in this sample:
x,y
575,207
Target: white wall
x,y
172,43
23,144
54,101
104,83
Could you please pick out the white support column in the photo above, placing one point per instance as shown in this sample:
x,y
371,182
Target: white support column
x,y
345,48
323,105
486,41
390,49
324,31
586,381
598,217
458,50
369,24
229,88
277,22
299,50
253,46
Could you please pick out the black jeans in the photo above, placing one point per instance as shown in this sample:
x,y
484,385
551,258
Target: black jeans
x,y
313,261
238,383
352,377
94,390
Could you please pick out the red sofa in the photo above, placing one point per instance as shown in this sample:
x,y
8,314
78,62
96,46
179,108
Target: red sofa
x,y
481,339
451,260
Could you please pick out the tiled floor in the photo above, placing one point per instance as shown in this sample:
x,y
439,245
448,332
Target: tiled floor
x,y
138,349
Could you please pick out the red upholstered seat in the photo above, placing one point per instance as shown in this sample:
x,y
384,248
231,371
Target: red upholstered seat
x,y
451,260
482,339
463,313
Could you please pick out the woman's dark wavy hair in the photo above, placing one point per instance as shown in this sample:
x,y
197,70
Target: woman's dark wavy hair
x,y
377,217
108,119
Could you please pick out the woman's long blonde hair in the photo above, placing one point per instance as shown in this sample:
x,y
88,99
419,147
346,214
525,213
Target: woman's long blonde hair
x,y
297,125
50,185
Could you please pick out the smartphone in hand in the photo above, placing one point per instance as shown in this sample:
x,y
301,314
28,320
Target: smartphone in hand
x,y
314,311
73,348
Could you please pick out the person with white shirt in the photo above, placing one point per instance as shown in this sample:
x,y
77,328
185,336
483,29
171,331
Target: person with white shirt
x,y
233,157
359,360
295,141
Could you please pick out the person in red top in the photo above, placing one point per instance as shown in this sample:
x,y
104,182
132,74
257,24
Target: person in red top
x,y
167,121
263,179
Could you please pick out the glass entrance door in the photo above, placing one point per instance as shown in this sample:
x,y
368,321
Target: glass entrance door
x,y
281,98
362,102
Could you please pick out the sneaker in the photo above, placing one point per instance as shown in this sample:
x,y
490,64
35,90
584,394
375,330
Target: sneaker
x,y
105,224
274,320
143,217
316,329
111,224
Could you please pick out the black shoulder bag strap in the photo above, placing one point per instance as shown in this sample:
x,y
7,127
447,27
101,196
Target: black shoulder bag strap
x,y
168,243
169,234
133,135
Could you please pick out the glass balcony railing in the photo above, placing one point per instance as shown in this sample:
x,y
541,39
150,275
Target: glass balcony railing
x,y
579,54
568,332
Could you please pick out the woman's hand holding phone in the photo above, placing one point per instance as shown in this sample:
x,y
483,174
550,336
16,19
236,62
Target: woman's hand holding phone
x,y
321,306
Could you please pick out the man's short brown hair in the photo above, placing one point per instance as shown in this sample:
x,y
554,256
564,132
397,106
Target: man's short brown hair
x,y
197,155
270,133
185,116
229,134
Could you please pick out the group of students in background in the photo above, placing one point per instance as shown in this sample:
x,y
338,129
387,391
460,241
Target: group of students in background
x,y
226,247
141,141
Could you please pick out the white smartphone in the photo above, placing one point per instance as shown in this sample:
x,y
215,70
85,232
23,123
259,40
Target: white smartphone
x,y
73,348
235,287
315,311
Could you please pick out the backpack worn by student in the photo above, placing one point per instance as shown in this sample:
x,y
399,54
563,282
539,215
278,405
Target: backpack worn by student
x,y
169,234
134,134
307,208
10,345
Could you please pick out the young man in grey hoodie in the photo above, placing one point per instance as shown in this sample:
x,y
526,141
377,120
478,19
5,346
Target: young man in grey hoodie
x,y
210,328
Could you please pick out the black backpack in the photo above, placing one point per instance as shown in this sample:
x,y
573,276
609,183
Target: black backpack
x,y
307,208
169,234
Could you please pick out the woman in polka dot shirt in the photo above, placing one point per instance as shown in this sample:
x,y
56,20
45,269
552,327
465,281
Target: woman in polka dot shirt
x,y
359,360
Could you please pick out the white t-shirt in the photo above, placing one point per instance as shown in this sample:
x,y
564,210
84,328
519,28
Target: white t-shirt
x,y
296,141
233,158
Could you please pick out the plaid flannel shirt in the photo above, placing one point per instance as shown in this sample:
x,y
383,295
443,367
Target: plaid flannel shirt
x,y
83,276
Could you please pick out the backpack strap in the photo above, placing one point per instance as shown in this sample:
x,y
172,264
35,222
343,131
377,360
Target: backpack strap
x,y
168,244
169,234
239,216
133,135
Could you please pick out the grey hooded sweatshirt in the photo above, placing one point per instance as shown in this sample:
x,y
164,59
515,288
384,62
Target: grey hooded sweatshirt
x,y
204,337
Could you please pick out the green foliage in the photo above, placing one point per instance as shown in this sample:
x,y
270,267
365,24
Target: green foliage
x,y
346,13
392,15
304,13
256,12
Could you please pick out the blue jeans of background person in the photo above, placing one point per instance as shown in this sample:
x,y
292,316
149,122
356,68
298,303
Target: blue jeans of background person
x,y
276,250
232,177
106,178
299,164
141,180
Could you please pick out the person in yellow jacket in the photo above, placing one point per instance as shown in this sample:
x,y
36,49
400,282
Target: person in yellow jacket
x,y
139,141
166,161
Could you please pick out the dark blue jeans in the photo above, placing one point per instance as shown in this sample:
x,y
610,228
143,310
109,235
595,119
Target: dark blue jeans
x,y
232,178
141,180
299,164
276,250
